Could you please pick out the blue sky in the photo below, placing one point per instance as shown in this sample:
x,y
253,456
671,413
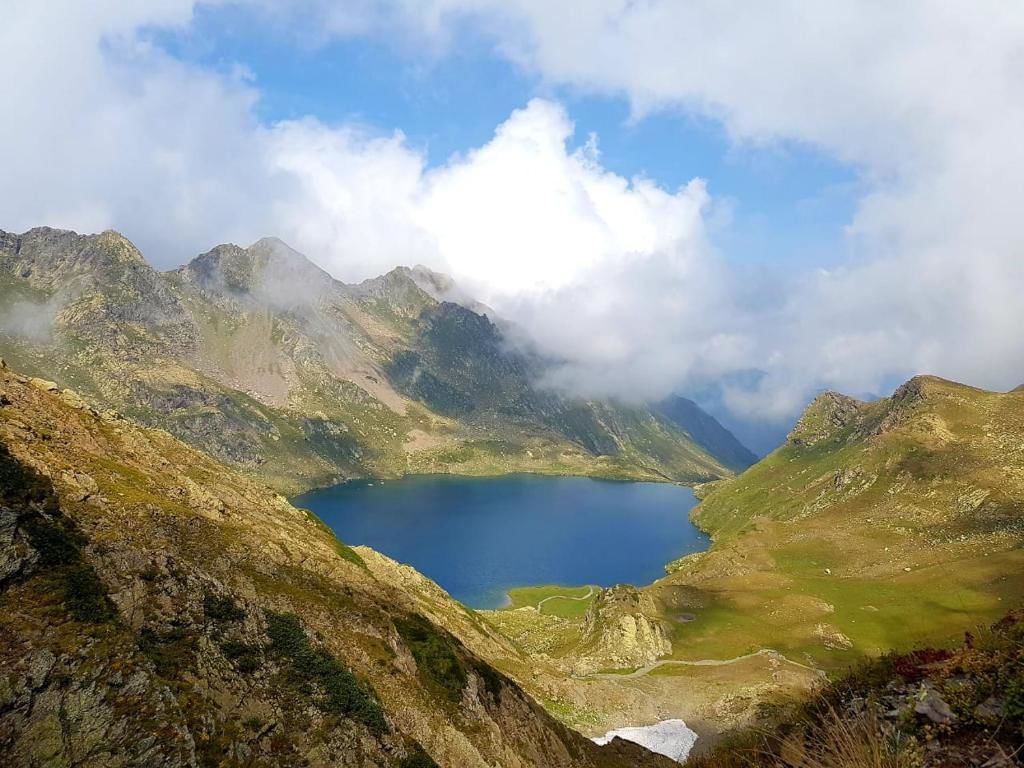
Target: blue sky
x,y
784,201
861,186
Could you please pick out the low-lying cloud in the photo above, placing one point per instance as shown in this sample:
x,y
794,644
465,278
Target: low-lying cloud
x,y
618,278
32,320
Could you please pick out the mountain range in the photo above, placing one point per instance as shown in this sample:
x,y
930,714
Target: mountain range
x,y
263,360
162,604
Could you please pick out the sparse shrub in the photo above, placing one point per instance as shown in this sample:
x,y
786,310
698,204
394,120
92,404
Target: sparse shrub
x,y
222,609
1015,698
341,693
417,758
171,651
434,653
245,656
85,596
849,742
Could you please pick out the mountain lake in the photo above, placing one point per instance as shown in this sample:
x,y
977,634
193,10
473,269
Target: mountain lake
x,y
479,536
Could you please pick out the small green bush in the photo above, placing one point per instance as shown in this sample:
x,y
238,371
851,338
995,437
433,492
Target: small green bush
x,y
417,758
1015,698
172,651
85,596
245,656
222,609
341,691
434,653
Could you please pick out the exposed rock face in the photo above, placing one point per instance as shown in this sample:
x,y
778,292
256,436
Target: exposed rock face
x,y
828,413
621,629
101,289
157,609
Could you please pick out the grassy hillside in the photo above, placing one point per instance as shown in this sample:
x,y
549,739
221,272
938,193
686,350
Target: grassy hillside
x,y
262,360
877,527
157,608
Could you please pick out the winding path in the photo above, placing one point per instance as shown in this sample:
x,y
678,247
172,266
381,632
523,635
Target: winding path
x,y
645,670
590,594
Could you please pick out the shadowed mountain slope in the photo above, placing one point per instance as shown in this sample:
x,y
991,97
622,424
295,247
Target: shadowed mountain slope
x,y
707,432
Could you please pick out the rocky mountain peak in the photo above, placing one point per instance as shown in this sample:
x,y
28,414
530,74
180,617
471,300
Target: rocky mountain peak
x,y
828,413
443,287
910,397
269,270
396,292
52,258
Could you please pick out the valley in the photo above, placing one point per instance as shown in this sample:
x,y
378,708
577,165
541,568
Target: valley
x,y
878,526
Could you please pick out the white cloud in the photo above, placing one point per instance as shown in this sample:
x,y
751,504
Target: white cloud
x,y
922,97
614,275
523,215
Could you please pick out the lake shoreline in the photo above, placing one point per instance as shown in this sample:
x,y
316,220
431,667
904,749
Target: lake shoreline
x,y
475,536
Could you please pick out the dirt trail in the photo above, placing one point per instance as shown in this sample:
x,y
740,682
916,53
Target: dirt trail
x,y
590,594
645,670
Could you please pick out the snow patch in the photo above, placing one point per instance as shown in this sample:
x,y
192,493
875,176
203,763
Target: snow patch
x,y
670,738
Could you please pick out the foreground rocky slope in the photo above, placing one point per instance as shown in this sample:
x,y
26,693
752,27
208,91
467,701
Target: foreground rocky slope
x,y
157,608
261,359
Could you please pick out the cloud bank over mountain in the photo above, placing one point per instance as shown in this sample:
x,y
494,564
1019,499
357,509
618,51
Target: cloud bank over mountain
x,y
618,277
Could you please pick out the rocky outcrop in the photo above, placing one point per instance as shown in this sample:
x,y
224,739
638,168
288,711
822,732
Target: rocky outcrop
x,y
622,629
827,414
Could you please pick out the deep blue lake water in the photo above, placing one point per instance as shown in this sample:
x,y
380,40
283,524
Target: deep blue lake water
x,y
477,537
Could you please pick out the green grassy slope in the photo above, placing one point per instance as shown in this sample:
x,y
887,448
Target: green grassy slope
x,y
878,525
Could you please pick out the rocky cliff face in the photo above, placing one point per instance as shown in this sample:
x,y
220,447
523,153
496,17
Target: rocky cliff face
x,y
827,414
158,609
622,629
